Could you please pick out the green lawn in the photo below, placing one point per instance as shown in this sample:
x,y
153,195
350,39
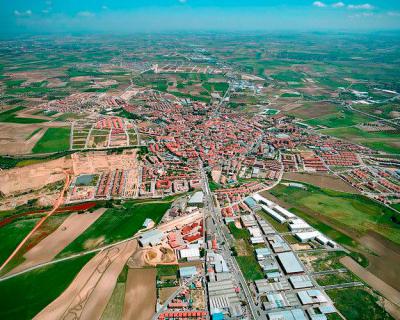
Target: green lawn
x,y
357,304
250,268
54,140
356,212
116,224
22,297
12,234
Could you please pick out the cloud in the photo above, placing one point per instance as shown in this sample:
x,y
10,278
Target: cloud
x,y
85,14
338,5
319,4
362,15
365,6
393,14
26,13
104,7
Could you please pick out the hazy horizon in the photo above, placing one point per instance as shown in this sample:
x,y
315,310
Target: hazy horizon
x,y
125,17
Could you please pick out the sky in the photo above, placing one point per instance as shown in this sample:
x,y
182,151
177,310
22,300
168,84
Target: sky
x,y
132,16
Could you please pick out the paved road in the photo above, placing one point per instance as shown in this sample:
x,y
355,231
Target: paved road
x,y
226,253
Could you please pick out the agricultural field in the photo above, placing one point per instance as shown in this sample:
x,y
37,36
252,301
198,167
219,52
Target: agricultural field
x,y
342,118
36,289
54,140
117,223
379,141
356,212
13,117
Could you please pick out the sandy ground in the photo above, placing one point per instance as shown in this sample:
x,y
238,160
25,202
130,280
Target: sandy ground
x,y
140,294
320,180
53,244
14,138
93,162
33,177
45,198
88,294
377,284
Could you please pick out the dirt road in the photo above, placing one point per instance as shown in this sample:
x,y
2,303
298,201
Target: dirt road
x,y
54,243
41,221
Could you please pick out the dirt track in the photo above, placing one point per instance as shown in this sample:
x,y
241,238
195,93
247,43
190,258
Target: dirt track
x,y
88,294
140,294
53,244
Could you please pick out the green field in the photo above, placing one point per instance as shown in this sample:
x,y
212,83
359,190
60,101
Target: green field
x,y
167,270
356,212
357,304
12,234
9,116
22,297
117,223
336,278
250,268
341,119
54,140
238,233
380,141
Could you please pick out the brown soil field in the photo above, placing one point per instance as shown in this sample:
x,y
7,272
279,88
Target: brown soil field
x,y
14,138
320,180
53,244
165,293
93,162
313,110
35,76
377,284
88,294
140,294
385,263
34,176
